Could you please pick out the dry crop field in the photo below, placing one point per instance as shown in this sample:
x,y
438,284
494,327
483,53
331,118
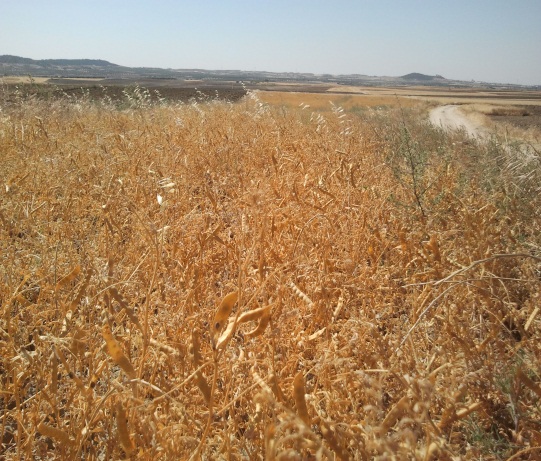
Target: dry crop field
x,y
514,114
324,102
448,95
221,280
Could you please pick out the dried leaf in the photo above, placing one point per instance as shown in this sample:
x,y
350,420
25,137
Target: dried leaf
x,y
97,374
197,359
434,247
73,305
276,390
201,382
78,382
536,438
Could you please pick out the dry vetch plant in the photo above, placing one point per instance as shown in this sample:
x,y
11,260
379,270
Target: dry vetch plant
x,y
231,281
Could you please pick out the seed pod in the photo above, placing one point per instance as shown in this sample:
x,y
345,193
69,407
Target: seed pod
x,y
68,278
521,376
54,433
116,353
223,312
201,382
265,316
300,401
122,427
203,386
394,414
124,305
329,435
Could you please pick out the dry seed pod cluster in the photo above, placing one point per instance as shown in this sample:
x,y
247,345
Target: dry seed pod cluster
x,y
386,273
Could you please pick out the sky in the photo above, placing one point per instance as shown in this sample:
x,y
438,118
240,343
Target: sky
x,y
495,41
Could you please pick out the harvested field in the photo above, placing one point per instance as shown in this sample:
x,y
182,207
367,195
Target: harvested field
x,y
525,117
5,80
443,95
119,91
324,101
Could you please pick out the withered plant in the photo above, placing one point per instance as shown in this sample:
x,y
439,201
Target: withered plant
x,y
236,281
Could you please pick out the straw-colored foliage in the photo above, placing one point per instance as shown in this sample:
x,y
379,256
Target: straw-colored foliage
x,y
218,281
322,102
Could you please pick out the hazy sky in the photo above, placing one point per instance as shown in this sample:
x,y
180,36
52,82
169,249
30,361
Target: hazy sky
x,y
488,40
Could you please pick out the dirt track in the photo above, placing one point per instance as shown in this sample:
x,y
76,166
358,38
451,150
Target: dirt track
x,y
450,117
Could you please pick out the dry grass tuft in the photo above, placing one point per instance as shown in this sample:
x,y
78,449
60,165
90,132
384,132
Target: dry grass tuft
x,y
219,281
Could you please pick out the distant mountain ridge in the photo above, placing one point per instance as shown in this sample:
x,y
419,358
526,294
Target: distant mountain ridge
x,y
9,59
98,68
66,68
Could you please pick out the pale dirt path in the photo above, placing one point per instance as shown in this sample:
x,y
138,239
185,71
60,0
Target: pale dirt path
x,y
450,117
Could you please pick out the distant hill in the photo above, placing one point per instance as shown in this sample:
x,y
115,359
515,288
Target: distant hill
x,y
422,77
77,62
99,68
16,65
9,59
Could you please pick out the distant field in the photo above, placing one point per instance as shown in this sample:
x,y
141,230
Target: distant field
x,y
515,109
287,93
448,95
517,113
322,101
81,79
118,90
21,79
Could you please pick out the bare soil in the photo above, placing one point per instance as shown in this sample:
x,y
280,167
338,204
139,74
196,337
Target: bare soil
x,y
170,90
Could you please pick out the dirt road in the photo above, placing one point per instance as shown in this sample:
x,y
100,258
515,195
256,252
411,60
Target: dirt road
x,y
451,117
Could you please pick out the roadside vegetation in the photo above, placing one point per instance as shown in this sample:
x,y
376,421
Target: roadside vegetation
x,y
515,123
214,280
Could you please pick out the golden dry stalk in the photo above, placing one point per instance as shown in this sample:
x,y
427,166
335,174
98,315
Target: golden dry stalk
x,y
396,265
